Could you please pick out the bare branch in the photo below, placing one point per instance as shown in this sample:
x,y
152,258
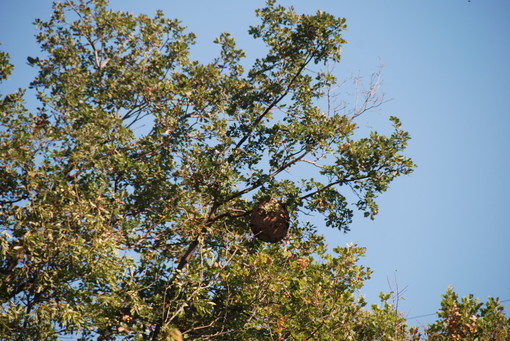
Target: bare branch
x,y
371,98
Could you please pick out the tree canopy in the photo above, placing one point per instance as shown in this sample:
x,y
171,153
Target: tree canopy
x,y
128,191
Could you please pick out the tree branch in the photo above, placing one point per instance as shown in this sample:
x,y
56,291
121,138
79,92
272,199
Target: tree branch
x,y
272,105
334,183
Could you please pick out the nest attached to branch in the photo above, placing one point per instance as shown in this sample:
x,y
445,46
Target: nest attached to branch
x,y
270,221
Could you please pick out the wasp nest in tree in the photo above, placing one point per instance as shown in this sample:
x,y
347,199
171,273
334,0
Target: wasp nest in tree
x,y
270,221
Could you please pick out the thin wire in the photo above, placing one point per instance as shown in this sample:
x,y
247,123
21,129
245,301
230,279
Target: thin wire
x,y
419,316
427,315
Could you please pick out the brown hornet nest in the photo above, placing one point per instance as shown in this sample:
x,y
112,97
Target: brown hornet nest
x,y
270,221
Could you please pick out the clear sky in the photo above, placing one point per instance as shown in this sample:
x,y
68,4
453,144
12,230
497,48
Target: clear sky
x,y
447,71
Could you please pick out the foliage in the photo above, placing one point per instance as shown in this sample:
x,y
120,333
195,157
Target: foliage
x,y
126,194
469,319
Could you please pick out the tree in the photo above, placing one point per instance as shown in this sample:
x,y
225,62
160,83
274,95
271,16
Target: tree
x,y
468,319
112,230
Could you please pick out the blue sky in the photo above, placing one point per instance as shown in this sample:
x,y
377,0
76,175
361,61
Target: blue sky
x,y
446,70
